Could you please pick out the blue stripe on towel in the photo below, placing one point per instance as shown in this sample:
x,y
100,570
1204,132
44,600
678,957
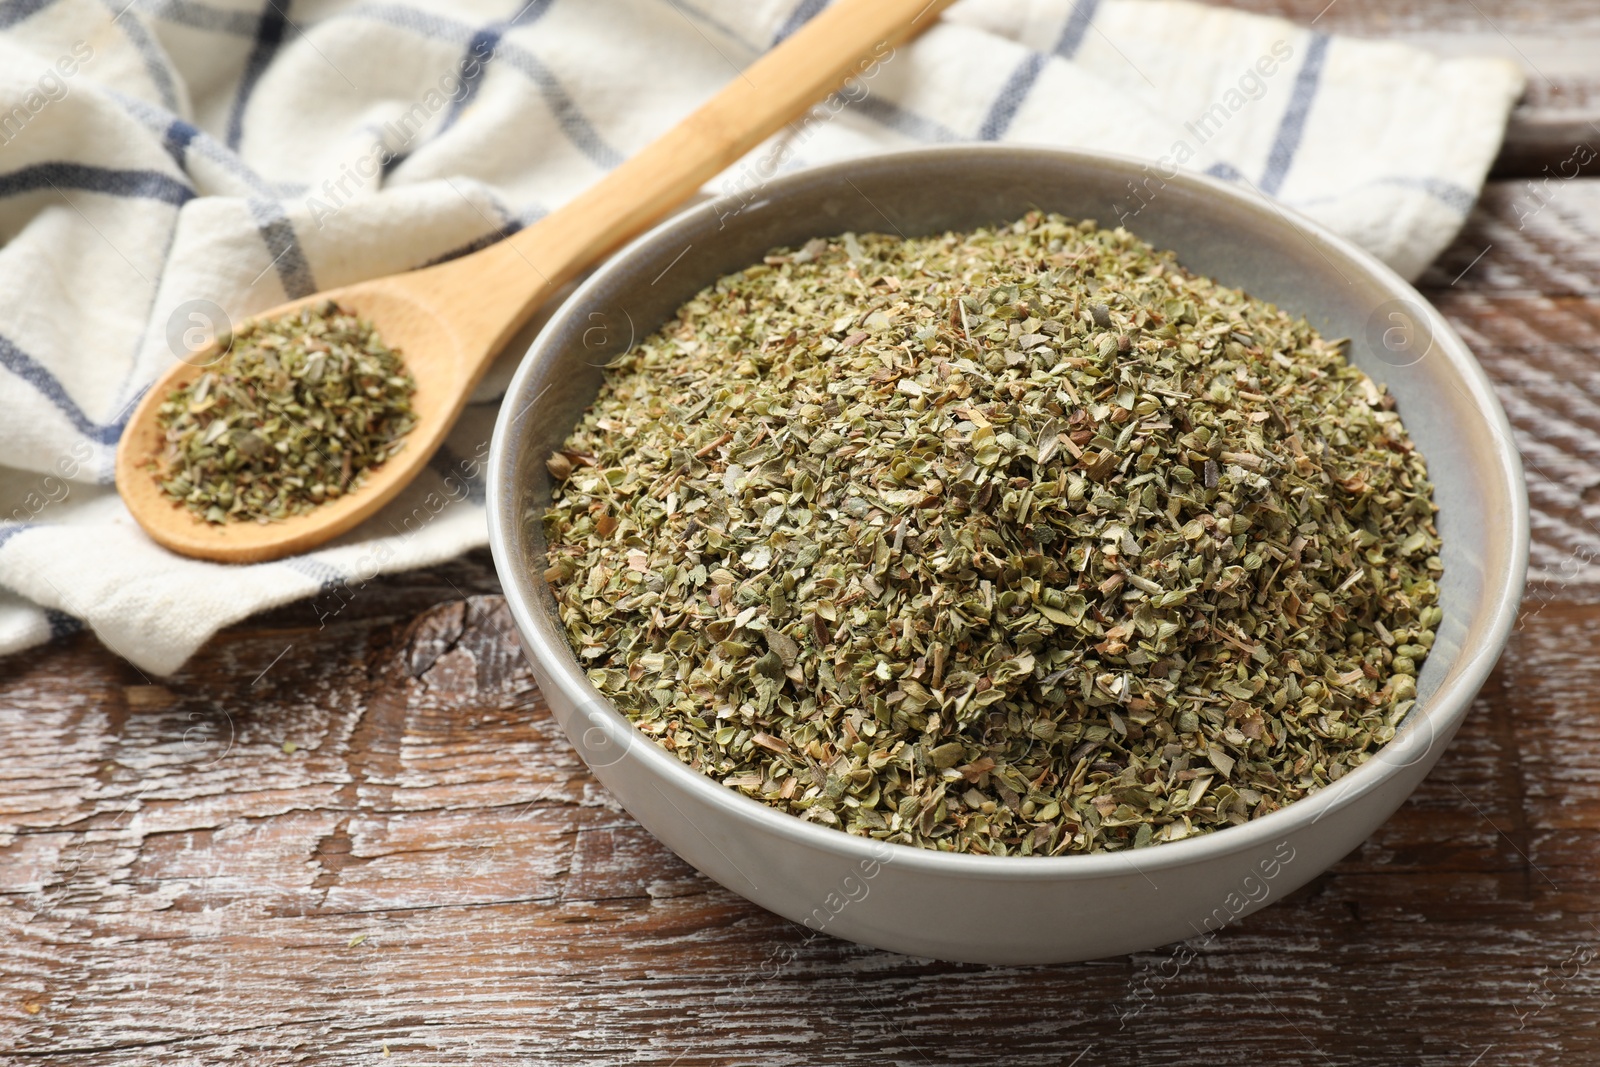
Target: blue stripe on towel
x,y
476,245
135,184
1077,26
1446,192
1293,125
15,11
530,13
1456,197
700,15
509,224
177,139
35,374
10,530
897,118
269,36
572,121
480,50
157,64
201,16
1012,94
1226,171
178,135
115,427
799,15
288,258
421,23
483,45
579,130
325,575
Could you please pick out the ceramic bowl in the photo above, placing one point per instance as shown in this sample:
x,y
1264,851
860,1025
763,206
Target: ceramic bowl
x,y
1017,910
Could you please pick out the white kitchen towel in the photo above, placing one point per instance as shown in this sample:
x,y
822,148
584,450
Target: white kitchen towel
x,y
168,164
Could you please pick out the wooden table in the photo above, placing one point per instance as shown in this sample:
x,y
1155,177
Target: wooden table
x,y
351,830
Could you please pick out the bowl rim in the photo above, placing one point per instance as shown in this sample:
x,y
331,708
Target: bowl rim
x,y
1447,706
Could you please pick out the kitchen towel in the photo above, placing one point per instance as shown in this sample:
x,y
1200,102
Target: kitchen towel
x,y
168,166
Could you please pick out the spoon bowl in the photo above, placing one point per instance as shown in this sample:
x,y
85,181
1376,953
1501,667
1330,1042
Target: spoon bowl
x,y
440,361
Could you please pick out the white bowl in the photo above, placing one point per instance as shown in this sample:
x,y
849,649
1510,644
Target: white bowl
x,y
1016,910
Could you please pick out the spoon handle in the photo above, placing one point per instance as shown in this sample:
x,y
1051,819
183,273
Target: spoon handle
x,y
496,291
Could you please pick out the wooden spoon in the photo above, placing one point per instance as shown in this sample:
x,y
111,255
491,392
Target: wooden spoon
x,y
451,320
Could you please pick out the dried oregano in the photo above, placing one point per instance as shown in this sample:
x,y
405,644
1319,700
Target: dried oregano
x,y
293,415
1023,541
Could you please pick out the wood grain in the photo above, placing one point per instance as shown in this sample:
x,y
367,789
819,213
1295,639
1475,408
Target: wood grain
x,y
1522,285
433,873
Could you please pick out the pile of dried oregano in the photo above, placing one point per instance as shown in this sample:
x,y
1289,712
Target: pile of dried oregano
x,y
1023,541
294,413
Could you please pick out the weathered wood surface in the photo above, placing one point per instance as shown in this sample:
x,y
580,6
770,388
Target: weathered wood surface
x,y
176,887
